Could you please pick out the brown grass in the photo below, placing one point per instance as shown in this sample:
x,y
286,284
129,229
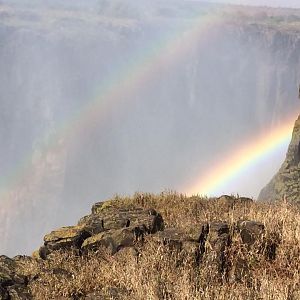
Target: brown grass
x,y
160,274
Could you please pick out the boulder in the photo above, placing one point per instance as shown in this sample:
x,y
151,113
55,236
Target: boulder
x,y
174,239
244,201
66,237
231,202
112,228
226,201
256,244
122,227
117,218
12,284
217,241
250,231
115,240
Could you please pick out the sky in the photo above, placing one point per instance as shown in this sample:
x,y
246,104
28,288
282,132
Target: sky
x,y
275,3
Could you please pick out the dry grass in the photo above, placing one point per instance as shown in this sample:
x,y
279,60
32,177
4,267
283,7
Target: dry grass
x,y
161,274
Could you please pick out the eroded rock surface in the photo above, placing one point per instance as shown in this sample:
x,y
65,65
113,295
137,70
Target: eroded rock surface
x,y
286,183
12,284
109,227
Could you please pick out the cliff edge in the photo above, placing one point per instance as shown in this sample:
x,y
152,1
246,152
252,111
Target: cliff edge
x,y
286,183
165,246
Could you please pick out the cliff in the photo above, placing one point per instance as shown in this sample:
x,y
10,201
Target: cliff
x,y
286,183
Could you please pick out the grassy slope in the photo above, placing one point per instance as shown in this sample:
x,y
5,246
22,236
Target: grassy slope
x,y
158,275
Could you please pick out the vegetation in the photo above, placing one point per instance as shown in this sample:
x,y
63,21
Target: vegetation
x,y
158,273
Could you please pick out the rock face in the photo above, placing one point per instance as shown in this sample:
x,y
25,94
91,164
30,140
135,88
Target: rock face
x,y
113,229
106,227
286,183
12,285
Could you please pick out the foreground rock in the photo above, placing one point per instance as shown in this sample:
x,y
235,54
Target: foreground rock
x,y
66,237
224,251
112,229
231,202
12,284
217,241
286,183
109,227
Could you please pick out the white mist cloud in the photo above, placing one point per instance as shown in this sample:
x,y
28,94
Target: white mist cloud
x,y
273,3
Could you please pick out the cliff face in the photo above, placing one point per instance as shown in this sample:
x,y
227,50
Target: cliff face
x,y
286,183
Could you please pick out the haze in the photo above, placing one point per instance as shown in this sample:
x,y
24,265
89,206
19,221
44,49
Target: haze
x,y
273,3
111,97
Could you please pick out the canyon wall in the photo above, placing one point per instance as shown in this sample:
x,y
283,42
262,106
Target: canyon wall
x,y
285,185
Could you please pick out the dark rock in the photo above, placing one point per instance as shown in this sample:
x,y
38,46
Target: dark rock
x,y
43,252
245,201
117,218
231,202
97,207
115,240
65,237
173,238
250,231
226,201
217,242
107,226
183,244
12,284
285,185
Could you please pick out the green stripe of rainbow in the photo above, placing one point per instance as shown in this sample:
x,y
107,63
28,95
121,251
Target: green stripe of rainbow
x,y
237,162
120,85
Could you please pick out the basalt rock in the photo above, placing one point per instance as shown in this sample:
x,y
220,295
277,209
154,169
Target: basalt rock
x,y
12,284
231,202
184,244
112,228
109,218
286,183
218,240
64,238
115,240
226,250
250,231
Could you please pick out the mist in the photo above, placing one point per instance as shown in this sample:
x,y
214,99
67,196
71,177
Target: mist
x,y
270,3
233,82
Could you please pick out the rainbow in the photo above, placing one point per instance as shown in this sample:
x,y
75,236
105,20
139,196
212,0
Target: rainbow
x,y
237,162
121,84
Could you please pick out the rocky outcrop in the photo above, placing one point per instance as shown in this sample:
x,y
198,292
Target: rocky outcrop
x,y
217,242
107,226
112,229
250,231
12,284
286,183
225,250
229,202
